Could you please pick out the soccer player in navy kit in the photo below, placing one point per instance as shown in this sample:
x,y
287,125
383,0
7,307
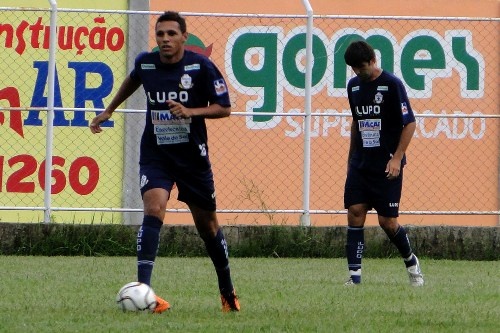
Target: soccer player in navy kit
x,y
382,127
182,89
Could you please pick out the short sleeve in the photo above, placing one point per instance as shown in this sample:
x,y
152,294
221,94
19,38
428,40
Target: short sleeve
x,y
134,74
406,110
217,86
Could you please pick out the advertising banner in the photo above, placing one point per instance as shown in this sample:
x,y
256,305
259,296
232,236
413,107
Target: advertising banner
x,y
448,67
90,60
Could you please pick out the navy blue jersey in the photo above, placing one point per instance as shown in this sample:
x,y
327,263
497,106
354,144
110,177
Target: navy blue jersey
x,y
181,144
380,108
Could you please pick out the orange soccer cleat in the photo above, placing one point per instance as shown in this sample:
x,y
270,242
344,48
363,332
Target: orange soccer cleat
x,y
161,305
230,302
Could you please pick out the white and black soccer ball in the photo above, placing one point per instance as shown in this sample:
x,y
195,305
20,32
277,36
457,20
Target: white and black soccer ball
x,y
136,296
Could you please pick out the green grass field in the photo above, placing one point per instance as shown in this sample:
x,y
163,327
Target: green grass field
x,y
77,294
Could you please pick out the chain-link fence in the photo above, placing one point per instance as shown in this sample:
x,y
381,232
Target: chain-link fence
x,y
449,66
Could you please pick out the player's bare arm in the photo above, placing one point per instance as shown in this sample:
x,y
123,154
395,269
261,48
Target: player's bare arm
x,y
352,144
394,165
127,88
212,111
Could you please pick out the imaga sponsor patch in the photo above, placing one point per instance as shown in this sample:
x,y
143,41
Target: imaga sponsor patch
x,y
370,125
164,117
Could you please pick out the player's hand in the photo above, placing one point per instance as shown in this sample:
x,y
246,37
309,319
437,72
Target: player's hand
x,y
178,110
393,168
97,121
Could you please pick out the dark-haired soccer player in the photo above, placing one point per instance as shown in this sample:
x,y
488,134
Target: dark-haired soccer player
x,y
182,89
382,127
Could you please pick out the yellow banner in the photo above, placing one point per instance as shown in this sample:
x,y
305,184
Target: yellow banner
x,y
90,59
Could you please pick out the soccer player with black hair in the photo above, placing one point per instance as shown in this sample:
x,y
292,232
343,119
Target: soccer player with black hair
x,y
383,124
182,89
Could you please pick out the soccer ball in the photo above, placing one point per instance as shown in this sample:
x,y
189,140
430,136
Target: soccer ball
x,y
136,296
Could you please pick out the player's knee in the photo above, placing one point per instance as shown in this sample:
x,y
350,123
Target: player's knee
x,y
155,210
389,224
356,214
206,229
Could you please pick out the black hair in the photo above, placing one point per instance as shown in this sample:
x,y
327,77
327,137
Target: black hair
x,y
173,16
358,52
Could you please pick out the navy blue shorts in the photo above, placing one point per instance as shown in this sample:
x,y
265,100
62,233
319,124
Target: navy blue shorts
x,y
194,187
375,190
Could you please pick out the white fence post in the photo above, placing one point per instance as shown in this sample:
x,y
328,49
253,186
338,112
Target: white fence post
x,y
305,218
50,111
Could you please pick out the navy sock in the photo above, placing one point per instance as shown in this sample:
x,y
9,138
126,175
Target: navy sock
x,y
354,250
148,239
402,243
217,250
